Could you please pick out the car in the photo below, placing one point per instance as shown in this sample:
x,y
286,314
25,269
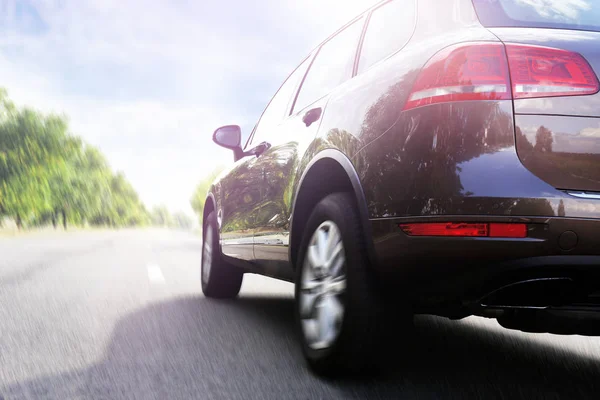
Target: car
x,y
430,157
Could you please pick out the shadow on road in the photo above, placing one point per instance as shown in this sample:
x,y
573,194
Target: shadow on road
x,y
194,347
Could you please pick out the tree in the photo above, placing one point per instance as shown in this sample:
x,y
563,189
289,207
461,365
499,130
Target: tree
x,y
161,217
183,221
93,183
33,148
199,197
45,172
543,140
127,210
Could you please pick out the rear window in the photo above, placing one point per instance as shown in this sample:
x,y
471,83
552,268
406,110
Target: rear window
x,y
390,27
560,14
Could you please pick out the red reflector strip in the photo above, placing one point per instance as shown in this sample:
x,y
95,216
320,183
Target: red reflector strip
x,y
445,229
464,229
508,230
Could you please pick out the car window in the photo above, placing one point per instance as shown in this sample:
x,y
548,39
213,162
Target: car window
x,y
333,65
279,106
390,27
556,14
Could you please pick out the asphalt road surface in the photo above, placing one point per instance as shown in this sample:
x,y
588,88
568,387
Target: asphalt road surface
x,y
111,315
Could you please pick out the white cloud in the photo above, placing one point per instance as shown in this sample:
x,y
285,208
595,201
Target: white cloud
x,y
149,81
590,132
563,10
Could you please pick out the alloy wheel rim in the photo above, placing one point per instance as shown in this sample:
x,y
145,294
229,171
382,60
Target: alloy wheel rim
x,y
322,285
207,253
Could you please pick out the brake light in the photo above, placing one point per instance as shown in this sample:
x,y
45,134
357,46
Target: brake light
x,y
465,229
542,72
484,71
476,71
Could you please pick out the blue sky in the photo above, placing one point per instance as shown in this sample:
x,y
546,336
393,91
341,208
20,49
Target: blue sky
x,y
149,81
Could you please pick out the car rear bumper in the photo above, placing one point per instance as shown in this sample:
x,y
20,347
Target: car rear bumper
x,y
459,271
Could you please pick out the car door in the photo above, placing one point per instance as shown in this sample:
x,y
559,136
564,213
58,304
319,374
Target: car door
x,y
289,139
236,201
242,189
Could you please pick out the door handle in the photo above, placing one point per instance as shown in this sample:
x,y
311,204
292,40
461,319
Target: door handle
x,y
312,115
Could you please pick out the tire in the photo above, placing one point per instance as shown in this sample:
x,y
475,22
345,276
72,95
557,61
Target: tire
x,y
361,339
219,278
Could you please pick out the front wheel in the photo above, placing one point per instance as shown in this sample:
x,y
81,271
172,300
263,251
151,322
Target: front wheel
x,y
340,314
219,278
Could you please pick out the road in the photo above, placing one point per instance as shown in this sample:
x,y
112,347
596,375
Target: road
x,y
111,315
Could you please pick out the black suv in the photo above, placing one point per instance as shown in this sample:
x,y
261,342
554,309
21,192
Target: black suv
x,y
436,157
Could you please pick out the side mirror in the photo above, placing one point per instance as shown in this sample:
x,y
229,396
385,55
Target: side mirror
x,y
228,136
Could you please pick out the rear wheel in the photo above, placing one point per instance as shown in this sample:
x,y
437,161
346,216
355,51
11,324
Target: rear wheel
x,y
219,278
339,311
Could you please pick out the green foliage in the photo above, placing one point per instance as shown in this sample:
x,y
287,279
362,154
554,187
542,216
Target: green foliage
x,y
160,216
183,221
543,140
199,197
47,174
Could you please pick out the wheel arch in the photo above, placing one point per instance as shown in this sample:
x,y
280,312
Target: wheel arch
x,y
329,171
209,205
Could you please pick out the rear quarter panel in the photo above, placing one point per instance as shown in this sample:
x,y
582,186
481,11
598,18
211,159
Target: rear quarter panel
x,y
409,162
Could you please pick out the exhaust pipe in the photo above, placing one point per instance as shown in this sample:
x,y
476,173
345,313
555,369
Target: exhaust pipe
x,y
537,294
555,305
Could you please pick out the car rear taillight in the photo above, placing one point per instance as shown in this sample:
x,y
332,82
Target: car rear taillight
x,y
466,229
475,71
484,71
542,72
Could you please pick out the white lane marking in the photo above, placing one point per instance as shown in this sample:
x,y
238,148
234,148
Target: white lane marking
x,y
155,275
